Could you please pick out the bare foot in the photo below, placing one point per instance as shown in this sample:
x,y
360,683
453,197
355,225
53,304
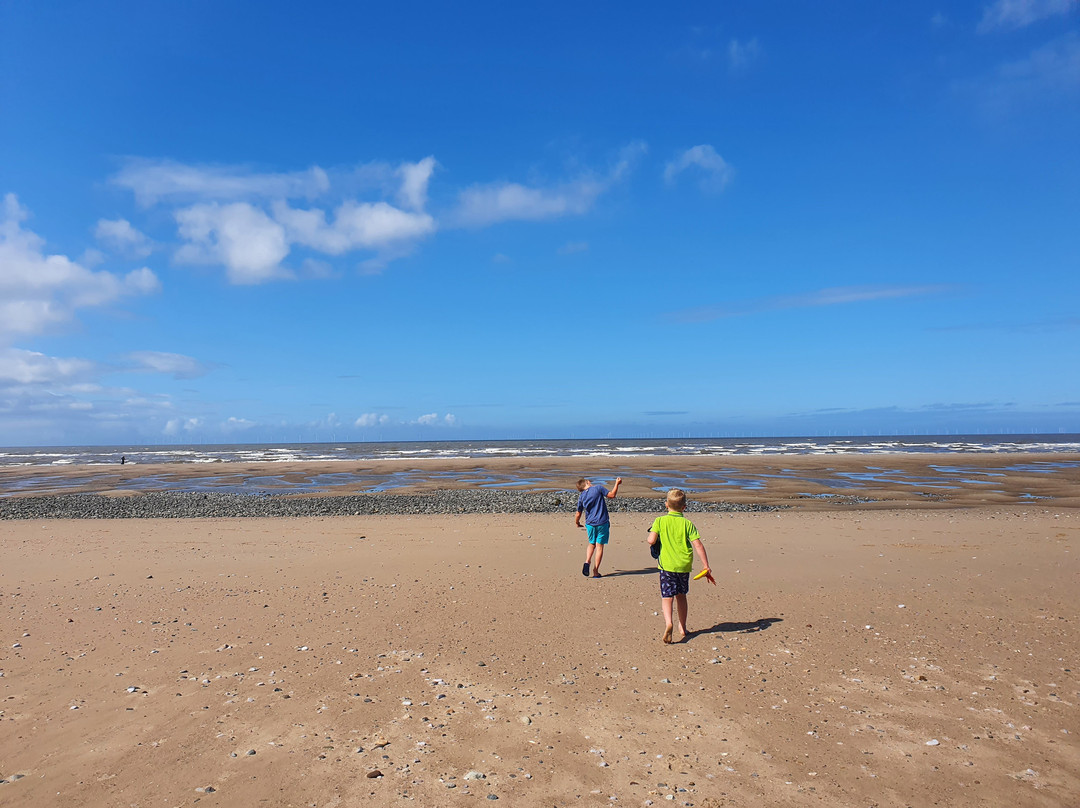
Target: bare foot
x,y
683,634
667,634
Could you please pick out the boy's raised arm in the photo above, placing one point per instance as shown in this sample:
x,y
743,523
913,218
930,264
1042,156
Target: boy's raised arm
x,y
615,488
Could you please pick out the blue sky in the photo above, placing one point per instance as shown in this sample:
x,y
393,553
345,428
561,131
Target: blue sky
x,y
250,222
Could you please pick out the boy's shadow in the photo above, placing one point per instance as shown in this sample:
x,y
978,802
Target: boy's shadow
x,y
646,571
740,628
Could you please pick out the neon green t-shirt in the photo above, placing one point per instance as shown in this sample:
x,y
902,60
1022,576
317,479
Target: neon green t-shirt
x,y
676,534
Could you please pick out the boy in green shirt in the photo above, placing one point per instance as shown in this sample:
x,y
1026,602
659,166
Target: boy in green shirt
x,y
679,540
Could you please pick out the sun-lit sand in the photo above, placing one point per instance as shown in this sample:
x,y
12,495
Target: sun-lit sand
x,y
858,656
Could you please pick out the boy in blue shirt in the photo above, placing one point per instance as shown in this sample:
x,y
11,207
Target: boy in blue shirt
x,y
679,540
592,501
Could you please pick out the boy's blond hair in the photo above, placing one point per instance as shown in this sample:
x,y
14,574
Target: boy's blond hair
x,y
676,500
581,484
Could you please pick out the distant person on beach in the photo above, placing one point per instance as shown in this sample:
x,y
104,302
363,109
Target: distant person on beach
x,y
592,501
123,460
679,540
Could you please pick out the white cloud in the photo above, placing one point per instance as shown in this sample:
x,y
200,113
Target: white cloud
x,y
242,220
483,205
234,424
249,223
433,419
149,402
314,268
1012,14
356,225
629,156
119,235
249,243
59,400
153,181
742,54
143,281
39,291
176,365
91,257
1054,66
414,183
29,367
331,421
175,426
1045,76
29,316
369,419
715,172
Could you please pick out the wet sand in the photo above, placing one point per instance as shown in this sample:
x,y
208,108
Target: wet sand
x,y
818,482
878,656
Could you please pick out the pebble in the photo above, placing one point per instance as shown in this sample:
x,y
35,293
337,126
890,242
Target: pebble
x,y
474,775
371,775
191,504
933,742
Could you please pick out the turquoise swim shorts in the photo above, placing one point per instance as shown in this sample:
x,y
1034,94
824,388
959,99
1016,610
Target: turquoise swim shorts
x,y
597,534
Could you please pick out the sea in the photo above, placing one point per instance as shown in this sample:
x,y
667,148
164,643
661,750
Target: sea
x,y
587,448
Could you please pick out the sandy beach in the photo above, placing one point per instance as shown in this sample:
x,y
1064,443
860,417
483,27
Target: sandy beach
x,y
869,656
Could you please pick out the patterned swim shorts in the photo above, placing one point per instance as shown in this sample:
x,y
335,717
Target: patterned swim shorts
x,y
674,583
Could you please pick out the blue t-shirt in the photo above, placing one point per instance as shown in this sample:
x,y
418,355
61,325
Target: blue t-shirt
x,y
593,501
